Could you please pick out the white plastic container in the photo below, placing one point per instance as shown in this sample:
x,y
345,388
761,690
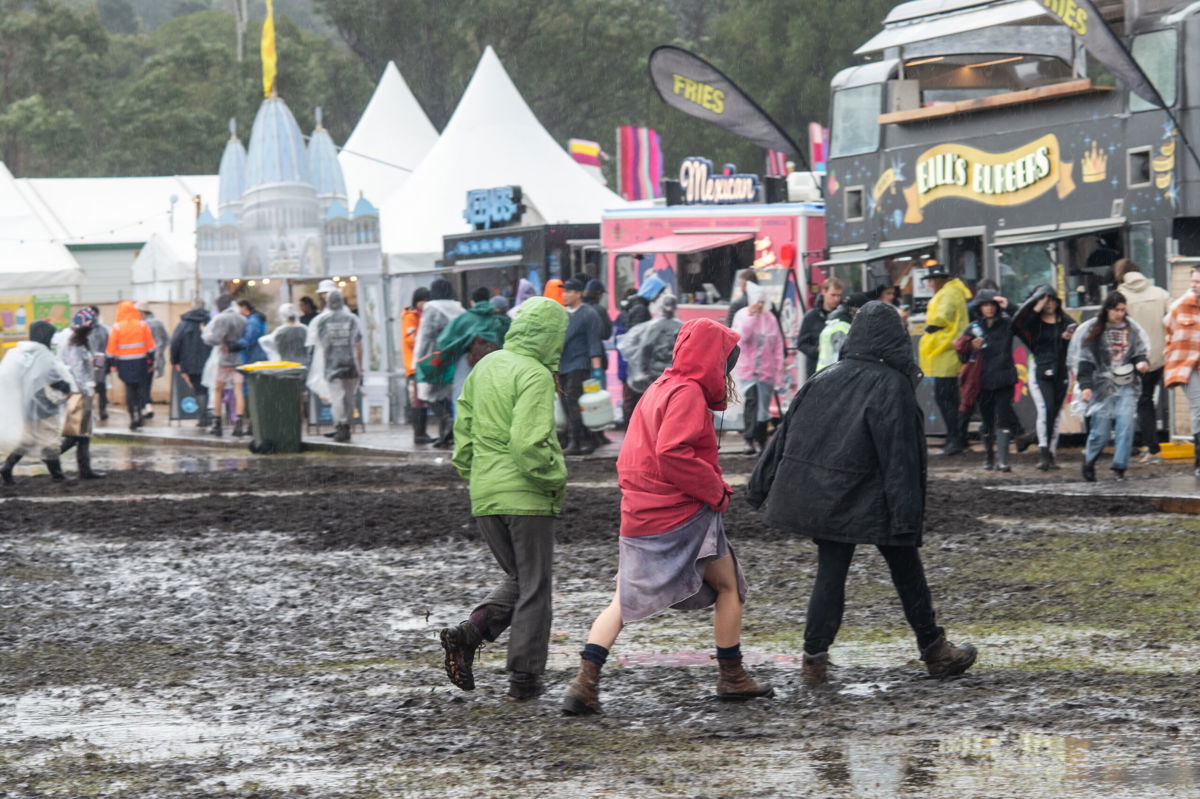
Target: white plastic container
x,y
560,416
596,406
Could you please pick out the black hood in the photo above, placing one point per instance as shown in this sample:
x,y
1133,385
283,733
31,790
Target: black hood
x,y
878,334
41,332
197,315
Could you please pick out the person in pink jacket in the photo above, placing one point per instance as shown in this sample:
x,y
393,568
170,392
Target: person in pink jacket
x,y
759,370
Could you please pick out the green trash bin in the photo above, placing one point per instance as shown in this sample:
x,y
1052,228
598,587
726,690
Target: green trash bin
x,y
276,412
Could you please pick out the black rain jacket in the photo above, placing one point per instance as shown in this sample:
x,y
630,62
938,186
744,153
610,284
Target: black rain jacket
x,y
848,462
188,350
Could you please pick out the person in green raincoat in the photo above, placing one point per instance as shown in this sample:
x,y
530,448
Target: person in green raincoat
x,y
506,448
467,338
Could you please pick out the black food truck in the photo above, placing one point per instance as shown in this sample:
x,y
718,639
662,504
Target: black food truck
x,y
982,136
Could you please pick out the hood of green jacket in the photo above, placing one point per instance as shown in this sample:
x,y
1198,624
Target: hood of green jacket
x,y
539,329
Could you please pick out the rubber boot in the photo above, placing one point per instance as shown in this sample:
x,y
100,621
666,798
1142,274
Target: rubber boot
x,y
815,670
1002,439
342,434
733,683
1025,441
83,458
572,447
67,442
583,695
943,659
989,453
1089,470
239,427
1044,459
420,421
1196,444
7,470
216,428
445,439
54,465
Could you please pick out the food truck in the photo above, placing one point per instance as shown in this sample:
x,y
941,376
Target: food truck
x,y
712,227
982,136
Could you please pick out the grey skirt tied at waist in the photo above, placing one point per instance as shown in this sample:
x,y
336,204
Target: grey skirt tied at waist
x,y
658,572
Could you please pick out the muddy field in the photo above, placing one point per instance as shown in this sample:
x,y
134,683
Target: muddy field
x,y
270,631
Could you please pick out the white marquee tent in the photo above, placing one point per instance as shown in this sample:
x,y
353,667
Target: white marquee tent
x,y
392,137
31,261
492,140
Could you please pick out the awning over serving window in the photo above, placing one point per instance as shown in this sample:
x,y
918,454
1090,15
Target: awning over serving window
x,y
684,242
936,26
1048,236
862,256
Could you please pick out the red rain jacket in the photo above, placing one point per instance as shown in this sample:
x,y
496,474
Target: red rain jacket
x,y
668,467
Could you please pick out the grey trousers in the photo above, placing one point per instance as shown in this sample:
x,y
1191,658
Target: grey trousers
x,y
524,548
341,399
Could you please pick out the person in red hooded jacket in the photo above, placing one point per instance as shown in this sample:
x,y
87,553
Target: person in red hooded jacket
x,y
673,550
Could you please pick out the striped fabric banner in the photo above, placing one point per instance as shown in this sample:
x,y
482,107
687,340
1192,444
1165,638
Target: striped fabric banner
x,y
777,166
818,146
584,151
639,163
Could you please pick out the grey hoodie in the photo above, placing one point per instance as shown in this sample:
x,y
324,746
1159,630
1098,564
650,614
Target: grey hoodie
x,y
1147,304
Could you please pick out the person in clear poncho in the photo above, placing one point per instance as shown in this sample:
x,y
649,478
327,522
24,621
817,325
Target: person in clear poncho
x,y
34,386
648,348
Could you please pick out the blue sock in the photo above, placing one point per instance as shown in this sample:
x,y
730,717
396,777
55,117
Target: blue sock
x,y
729,652
595,653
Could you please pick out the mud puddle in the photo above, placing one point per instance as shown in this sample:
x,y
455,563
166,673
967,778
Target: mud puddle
x,y
243,643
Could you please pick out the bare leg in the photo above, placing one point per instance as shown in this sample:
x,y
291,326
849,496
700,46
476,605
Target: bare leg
x,y
721,575
608,624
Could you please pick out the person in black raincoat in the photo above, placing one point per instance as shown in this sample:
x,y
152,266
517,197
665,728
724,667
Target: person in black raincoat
x,y
1046,331
848,467
992,337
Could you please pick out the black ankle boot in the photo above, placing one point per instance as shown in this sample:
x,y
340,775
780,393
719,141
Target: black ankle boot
x,y
7,470
83,458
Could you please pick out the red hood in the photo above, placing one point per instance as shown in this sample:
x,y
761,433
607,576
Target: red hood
x,y
701,350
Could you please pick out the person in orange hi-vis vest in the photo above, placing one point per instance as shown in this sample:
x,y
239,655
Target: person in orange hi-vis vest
x,y
131,349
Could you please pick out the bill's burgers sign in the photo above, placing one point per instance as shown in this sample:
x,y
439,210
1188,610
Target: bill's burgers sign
x,y
1006,178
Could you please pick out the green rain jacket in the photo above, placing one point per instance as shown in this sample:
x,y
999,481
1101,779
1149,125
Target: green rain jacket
x,y
505,443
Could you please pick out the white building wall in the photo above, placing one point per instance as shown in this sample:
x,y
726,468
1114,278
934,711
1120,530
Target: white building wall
x,y
108,274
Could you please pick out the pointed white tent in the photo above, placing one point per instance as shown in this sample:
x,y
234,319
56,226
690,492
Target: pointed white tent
x,y
492,140
393,132
165,269
31,262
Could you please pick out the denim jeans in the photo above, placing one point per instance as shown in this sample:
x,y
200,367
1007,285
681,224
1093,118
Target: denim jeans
x,y
1119,410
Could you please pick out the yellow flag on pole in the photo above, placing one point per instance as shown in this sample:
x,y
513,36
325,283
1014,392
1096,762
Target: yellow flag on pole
x,y
268,51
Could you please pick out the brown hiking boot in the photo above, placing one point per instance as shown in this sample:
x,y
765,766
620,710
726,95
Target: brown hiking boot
x,y
734,683
943,659
583,695
815,668
460,643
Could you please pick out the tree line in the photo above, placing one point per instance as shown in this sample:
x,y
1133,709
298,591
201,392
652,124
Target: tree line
x,y
88,89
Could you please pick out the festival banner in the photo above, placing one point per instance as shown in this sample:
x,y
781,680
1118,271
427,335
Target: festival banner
x,y
639,163
818,146
268,51
776,164
588,154
1084,20
688,83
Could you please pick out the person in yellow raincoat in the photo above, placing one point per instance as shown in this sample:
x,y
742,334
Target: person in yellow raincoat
x,y
945,319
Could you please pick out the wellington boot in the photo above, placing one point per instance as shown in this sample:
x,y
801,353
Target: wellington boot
x,y
342,434
216,428
83,459
1002,439
239,427
989,453
420,420
943,659
1025,441
1044,459
583,695
572,447
733,683
54,466
6,471
815,670
66,444
1089,470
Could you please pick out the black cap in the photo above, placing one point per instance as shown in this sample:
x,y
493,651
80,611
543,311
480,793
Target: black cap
x,y
858,299
936,270
574,284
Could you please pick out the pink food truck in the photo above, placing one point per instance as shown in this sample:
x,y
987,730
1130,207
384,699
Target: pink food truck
x,y
697,251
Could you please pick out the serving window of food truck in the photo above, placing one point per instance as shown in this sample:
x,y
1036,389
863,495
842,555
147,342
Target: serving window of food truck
x,y
702,261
